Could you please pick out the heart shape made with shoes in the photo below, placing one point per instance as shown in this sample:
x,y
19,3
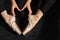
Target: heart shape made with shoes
x,y
22,23
33,20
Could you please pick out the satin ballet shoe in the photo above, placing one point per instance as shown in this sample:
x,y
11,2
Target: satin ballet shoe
x,y
33,20
10,20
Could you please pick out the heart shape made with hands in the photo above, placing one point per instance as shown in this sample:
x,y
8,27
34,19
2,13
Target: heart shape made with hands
x,y
33,20
20,5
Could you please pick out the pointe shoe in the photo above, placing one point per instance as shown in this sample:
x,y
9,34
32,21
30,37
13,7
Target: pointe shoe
x,y
33,20
10,20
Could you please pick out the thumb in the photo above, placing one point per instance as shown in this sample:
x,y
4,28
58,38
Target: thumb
x,y
12,12
24,7
17,8
29,9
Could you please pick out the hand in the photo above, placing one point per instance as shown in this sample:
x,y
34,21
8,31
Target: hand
x,y
14,5
27,5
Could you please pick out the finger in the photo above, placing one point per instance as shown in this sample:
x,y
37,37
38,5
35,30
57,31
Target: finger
x,y
24,7
17,8
12,12
29,9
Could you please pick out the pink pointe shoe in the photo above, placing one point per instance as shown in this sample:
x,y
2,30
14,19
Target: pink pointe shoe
x,y
10,20
33,20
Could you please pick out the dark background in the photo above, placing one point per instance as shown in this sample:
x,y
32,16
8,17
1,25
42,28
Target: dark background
x,y
52,21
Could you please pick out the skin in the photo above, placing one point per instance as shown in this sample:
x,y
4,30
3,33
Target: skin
x,y
14,5
27,5
6,16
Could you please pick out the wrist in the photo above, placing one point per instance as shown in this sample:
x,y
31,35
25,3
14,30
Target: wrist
x,y
13,1
29,1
